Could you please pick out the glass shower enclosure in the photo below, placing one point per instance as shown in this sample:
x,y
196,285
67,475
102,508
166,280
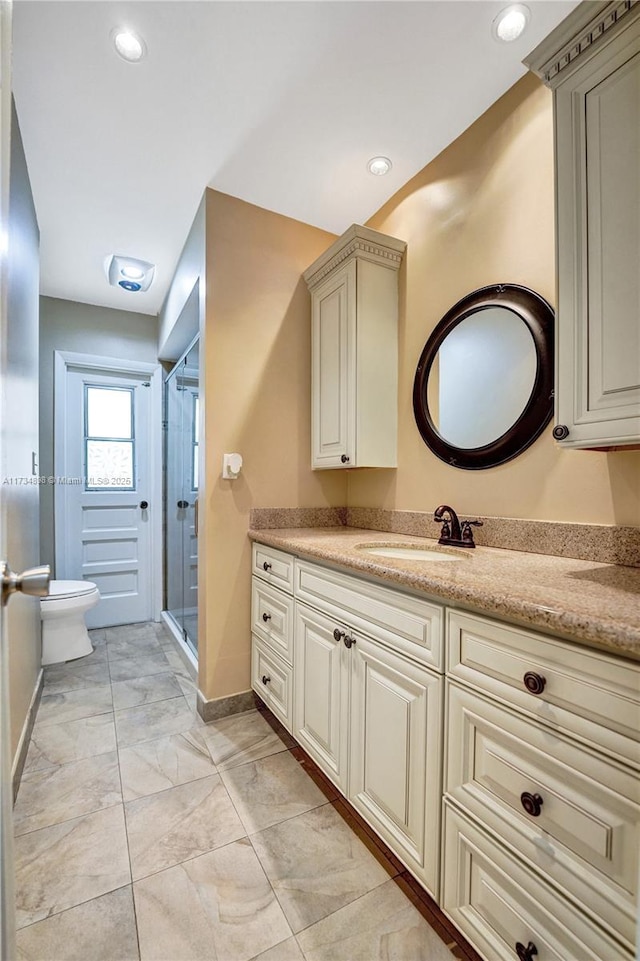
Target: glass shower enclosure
x,y
182,400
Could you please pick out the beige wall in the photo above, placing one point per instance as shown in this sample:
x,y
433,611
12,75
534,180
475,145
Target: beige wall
x,y
255,361
84,329
20,434
482,213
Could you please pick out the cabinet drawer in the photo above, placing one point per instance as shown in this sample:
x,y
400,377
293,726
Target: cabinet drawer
x,y
408,624
594,695
271,679
274,567
272,618
582,829
497,903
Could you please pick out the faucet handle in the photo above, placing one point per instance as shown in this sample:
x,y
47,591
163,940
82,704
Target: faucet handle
x,y
467,533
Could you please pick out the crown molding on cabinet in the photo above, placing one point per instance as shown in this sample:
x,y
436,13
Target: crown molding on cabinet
x,y
578,37
363,242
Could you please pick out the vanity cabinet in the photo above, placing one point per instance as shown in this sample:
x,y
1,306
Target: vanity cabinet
x,y
354,351
501,765
592,63
541,776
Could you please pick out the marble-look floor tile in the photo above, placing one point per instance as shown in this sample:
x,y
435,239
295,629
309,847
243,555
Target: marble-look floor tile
x,y
68,791
53,744
218,907
56,708
100,930
316,865
178,665
97,635
285,951
73,676
127,668
143,644
240,738
151,721
144,690
69,863
129,632
153,766
180,823
381,926
271,790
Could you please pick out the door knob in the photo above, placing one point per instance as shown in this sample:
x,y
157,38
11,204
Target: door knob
x,y
182,505
34,581
144,505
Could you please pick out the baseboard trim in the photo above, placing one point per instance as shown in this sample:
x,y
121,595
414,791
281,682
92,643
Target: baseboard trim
x,y
224,706
25,737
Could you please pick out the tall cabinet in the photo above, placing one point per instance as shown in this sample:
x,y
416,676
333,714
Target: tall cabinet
x,y
592,64
354,353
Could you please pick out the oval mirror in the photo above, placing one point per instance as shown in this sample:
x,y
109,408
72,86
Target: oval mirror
x,y
483,390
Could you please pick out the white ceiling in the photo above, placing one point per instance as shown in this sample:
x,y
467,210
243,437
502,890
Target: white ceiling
x,y
279,103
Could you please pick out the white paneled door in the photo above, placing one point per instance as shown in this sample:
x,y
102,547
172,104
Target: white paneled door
x,y
105,490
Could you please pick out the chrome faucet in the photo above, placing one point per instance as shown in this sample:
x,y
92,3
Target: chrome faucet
x,y
454,533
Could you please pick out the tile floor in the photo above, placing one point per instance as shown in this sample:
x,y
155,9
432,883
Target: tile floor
x,y
143,833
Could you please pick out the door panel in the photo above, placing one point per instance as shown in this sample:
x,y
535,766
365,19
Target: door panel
x,y
321,699
395,749
106,536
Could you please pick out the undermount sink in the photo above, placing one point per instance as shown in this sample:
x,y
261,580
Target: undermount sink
x,y
410,552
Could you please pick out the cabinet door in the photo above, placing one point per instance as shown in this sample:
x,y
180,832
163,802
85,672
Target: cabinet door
x,y
394,780
598,145
333,386
321,693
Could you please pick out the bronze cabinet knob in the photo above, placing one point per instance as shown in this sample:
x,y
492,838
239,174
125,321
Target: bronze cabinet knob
x,y
266,617
266,566
534,683
560,431
532,803
526,954
265,679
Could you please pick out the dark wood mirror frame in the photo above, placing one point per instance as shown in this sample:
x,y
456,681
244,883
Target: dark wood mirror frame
x,y
538,315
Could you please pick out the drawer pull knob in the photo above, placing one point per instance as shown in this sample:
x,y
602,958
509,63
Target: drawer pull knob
x,y
534,683
266,566
532,803
265,679
266,617
339,635
344,459
526,954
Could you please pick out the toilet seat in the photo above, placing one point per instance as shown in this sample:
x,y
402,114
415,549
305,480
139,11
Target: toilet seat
x,y
59,590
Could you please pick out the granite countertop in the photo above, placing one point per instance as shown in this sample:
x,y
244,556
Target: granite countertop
x,y
593,603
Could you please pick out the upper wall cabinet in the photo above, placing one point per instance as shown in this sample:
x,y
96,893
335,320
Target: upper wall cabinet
x,y
592,63
354,351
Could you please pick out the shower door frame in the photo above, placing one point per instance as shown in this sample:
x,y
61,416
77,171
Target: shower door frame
x,y
167,616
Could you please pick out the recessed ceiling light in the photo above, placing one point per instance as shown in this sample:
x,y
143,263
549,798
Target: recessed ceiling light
x,y
129,45
128,273
511,22
131,272
379,166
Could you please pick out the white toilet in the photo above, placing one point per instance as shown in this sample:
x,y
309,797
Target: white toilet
x,y
64,633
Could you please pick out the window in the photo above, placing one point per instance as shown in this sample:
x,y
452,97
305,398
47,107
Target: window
x,y
109,439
